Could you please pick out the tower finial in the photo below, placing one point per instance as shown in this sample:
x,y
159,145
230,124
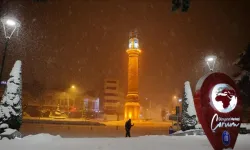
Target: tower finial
x,y
135,32
130,34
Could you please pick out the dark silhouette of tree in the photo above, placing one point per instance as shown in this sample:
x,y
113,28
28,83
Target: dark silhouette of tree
x,y
243,62
243,78
183,4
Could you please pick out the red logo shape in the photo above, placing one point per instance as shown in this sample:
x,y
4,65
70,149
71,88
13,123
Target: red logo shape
x,y
219,107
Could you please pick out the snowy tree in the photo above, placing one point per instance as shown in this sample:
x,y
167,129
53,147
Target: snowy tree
x,y
11,104
242,78
58,111
84,111
189,117
243,62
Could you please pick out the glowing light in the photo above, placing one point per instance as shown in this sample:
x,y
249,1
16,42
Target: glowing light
x,y
223,122
73,109
211,62
210,59
129,115
222,94
3,82
10,22
130,45
133,43
10,25
136,45
73,87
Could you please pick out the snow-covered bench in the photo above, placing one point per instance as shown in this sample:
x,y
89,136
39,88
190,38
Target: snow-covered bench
x,y
10,134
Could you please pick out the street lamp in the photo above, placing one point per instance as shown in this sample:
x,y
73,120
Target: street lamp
x,y
211,62
10,25
73,87
174,101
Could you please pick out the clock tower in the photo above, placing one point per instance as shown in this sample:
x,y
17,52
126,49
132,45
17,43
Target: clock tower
x,y
132,105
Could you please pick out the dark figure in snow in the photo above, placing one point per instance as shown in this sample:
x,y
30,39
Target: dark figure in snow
x,y
171,130
128,126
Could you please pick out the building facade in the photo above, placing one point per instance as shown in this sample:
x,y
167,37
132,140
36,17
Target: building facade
x,y
91,104
111,99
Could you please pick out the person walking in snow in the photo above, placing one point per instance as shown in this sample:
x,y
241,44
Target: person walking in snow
x,y
128,126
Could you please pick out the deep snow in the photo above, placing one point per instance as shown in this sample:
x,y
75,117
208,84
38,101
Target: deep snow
x,y
48,142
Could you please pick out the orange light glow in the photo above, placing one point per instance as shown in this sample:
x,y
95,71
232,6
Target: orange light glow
x,y
130,115
132,110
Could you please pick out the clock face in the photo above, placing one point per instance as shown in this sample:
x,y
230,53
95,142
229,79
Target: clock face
x,y
136,44
130,44
133,43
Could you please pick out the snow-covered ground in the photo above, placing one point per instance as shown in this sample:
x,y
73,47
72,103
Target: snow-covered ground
x,y
48,142
245,125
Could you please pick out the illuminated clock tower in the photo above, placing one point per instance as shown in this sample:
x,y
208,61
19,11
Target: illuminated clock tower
x,y
132,105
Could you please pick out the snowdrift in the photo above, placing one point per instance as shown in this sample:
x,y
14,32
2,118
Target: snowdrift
x,y
49,142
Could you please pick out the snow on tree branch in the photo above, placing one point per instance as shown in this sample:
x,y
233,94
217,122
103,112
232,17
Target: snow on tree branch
x,y
11,104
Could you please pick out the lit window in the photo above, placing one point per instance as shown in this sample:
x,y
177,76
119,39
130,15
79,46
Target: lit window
x,y
136,44
130,45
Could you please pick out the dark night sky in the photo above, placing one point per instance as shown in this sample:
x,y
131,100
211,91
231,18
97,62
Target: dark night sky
x,y
82,42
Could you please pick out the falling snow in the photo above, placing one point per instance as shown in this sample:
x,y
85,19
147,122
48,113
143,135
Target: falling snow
x,y
89,40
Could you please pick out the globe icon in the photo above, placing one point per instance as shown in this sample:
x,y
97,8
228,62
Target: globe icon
x,y
223,98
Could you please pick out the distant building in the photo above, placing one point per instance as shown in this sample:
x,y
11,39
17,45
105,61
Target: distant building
x,y
91,104
111,99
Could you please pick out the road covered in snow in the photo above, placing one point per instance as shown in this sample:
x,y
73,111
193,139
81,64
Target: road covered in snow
x,y
112,129
49,142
